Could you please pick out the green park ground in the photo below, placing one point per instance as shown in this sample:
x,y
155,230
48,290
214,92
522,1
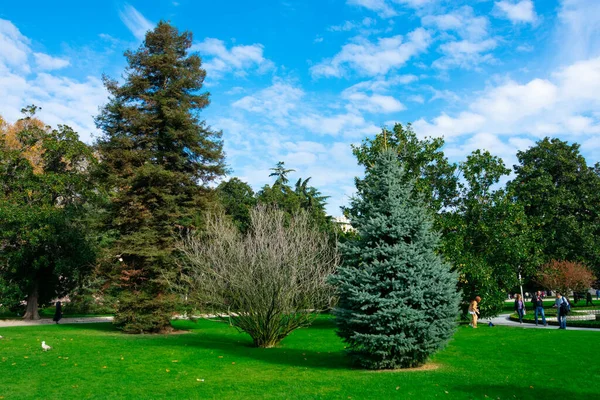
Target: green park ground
x,y
211,360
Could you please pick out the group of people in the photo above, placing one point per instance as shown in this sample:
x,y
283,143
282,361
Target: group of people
x,y
588,298
561,303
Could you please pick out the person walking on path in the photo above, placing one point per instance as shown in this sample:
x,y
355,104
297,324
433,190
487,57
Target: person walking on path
x,y
561,304
58,312
538,306
588,299
520,307
474,311
597,294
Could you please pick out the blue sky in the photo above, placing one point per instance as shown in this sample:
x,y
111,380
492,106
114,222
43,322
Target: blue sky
x,y
300,81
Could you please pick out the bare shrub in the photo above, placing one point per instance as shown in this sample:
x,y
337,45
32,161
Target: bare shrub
x,y
563,276
268,281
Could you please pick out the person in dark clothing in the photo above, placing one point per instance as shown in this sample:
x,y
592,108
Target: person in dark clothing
x,y
58,312
588,299
562,309
538,306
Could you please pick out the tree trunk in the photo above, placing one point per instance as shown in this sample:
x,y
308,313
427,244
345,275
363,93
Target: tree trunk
x,y
31,312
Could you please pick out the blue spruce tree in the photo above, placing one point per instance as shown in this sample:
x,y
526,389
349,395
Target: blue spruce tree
x,y
398,302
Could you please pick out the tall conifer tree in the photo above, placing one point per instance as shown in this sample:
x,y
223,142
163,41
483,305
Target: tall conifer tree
x,y
157,159
398,301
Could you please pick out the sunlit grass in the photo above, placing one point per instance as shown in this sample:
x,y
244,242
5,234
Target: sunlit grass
x,y
215,361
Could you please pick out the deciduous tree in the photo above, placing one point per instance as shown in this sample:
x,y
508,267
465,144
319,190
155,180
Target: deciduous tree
x,y
269,280
560,194
563,276
45,249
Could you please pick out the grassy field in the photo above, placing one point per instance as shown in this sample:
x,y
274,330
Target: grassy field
x,y
93,361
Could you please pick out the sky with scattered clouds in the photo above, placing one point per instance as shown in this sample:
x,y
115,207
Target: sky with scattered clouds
x,y
301,80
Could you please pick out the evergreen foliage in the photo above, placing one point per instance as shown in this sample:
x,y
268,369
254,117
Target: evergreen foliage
x,y
237,199
158,158
398,301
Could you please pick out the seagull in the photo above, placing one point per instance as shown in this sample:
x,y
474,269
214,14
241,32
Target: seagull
x,y
45,347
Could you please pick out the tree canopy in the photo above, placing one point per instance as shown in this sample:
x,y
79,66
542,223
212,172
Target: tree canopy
x,y
158,159
45,189
398,301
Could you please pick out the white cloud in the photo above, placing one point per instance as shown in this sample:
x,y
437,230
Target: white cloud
x,y
522,11
378,101
381,84
578,34
351,25
473,45
137,24
374,103
372,59
385,8
348,125
446,95
255,145
525,48
415,3
516,101
22,82
46,62
463,21
566,103
465,54
417,99
276,102
238,59
14,47
381,7
282,105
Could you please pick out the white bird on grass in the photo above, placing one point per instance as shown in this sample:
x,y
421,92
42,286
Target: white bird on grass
x,y
45,347
1,337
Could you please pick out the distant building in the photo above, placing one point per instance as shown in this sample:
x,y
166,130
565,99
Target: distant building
x,y
344,224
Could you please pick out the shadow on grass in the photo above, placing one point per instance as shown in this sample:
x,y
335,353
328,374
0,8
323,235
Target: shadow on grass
x,y
93,326
233,344
322,322
242,346
511,392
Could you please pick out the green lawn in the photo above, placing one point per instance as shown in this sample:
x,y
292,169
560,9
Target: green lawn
x,y
95,361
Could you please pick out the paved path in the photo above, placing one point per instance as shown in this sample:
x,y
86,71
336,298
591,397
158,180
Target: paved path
x,y
5,323
504,320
